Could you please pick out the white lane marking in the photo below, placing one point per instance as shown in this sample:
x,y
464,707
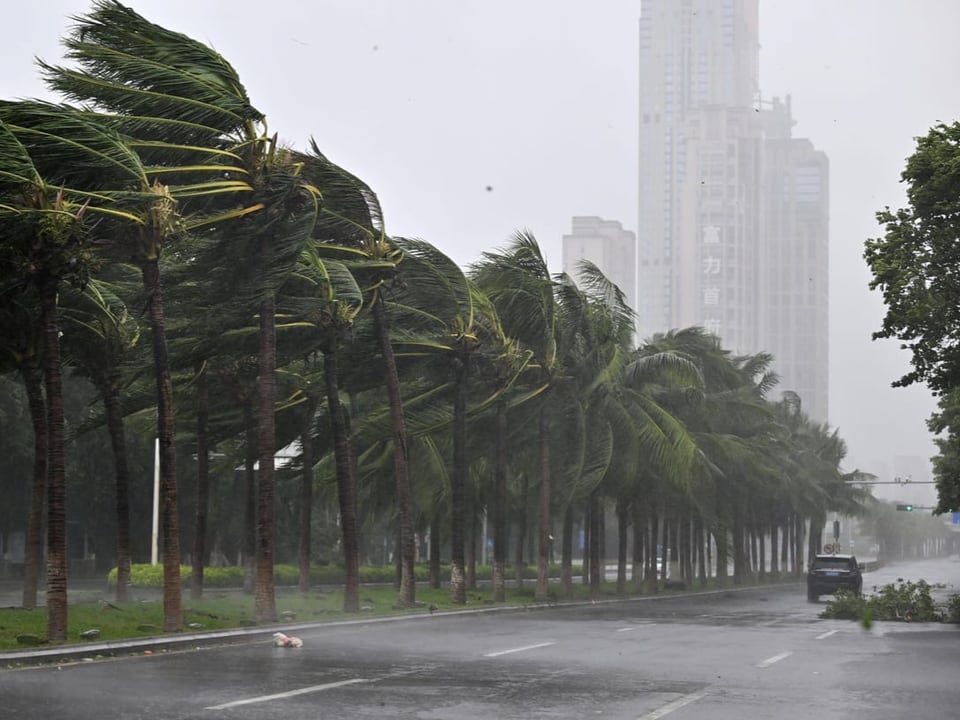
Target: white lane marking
x,y
775,659
827,634
290,693
636,626
520,649
672,706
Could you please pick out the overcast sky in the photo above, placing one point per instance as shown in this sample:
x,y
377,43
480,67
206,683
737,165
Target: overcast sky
x,y
473,119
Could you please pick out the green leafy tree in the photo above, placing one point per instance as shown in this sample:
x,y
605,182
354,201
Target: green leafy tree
x,y
914,263
914,267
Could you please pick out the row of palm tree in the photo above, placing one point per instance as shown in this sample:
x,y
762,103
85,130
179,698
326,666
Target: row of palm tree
x,y
280,311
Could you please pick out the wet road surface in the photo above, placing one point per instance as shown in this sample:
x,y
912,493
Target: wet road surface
x,y
761,653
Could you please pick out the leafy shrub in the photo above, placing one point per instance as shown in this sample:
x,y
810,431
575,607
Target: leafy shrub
x,y
846,605
903,600
953,609
151,576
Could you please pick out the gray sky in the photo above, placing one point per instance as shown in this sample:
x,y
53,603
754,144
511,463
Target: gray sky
x,y
433,101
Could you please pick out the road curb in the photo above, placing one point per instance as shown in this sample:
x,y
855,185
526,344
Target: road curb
x,y
63,654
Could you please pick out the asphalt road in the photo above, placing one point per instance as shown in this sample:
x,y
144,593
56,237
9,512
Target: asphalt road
x,y
760,653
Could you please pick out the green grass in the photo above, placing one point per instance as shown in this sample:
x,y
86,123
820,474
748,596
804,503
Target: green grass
x,y
220,610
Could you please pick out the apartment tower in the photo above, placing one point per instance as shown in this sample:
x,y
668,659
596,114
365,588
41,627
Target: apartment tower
x,y
608,246
732,224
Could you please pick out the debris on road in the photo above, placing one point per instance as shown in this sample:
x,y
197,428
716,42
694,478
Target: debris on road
x,y
281,640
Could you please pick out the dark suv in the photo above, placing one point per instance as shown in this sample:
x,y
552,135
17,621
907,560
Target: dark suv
x,y
829,573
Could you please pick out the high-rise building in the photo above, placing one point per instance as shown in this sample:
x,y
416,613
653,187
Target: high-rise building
x,y
608,246
794,259
728,199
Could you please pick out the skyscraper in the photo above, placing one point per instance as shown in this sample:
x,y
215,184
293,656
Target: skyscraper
x,y
794,259
608,246
726,196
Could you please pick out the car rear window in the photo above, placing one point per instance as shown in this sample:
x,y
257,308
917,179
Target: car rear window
x,y
832,564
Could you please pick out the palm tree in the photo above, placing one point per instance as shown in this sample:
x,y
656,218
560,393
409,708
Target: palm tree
x,y
351,229
50,158
100,336
726,415
185,111
22,352
324,297
451,328
629,435
521,288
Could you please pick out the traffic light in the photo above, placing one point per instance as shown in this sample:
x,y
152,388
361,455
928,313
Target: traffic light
x,y
908,508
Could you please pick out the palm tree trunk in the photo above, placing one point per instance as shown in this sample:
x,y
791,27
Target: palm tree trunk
x,y
249,543
500,505
543,555
33,382
699,541
668,553
622,522
56,473
172,609
518,565
800,531
203,487
721,539
566,560
596,559
306,495
785,548
407,547
585,552
639,547
110,390
265,607
471,549
815,540
738,548
762,540
653,582
346,483
458,593
435,581
774,547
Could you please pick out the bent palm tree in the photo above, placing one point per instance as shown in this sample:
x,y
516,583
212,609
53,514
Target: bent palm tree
x,y
352,231
324,297
522,290
182,107
101,337
52,161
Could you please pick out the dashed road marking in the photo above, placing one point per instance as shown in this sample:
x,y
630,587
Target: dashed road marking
x,y
775,659
289,693
635,627
520,649
672,706
828,633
